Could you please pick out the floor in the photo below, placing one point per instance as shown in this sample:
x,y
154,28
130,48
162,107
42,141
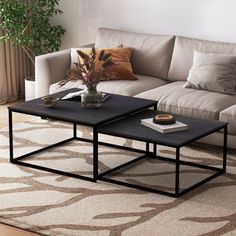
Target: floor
x,y
17,116
6,230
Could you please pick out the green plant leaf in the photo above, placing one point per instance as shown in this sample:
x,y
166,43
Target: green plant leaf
x,y
26,23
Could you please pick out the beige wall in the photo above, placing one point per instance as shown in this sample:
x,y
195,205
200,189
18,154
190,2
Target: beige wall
x,y
207,19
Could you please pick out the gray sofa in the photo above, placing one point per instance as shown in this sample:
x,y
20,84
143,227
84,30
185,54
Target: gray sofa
x,y
161,64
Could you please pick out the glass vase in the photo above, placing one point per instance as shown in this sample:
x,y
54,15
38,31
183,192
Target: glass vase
x,y
91,98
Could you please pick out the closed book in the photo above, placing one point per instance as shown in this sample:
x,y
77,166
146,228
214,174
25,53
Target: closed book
x,y
177,126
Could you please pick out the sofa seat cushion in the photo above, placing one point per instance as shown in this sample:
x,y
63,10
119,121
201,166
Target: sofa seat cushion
x,y
174,98
229,115
122,87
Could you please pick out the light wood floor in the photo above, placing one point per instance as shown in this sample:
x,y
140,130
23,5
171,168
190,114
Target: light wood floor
x,y
6,230
17,116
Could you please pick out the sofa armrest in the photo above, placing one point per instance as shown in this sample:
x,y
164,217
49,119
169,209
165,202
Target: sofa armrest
x,y
90,45
229,115
50,68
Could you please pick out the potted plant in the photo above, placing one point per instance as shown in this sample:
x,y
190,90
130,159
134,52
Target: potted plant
x,y
26,23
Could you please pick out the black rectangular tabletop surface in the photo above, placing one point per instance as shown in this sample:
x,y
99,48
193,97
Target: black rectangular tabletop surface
x,y
130,127
114,107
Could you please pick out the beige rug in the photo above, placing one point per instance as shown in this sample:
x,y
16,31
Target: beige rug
x,y
56,205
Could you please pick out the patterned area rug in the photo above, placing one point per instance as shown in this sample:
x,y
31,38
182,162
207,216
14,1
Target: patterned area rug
x,y
51,204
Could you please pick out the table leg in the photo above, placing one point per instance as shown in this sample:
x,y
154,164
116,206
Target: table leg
x,y
74,130
95,154
147,147
154,149
225,148
10,135
177,171
155,107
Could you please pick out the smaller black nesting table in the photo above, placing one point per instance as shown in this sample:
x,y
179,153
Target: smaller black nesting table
x,y
130,127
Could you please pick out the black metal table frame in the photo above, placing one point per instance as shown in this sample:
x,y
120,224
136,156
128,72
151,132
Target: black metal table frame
x,y
94,141
102,176
177,161
18,159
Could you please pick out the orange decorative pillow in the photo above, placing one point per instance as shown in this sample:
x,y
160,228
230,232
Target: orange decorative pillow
x,y
122,69
120,73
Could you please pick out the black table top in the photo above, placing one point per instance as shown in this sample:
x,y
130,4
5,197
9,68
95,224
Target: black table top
x,y
130,127
114,107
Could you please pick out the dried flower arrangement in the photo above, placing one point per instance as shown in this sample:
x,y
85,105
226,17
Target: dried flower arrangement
x,y
87,69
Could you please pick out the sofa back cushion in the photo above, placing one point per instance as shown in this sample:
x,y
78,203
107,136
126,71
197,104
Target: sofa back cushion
x,y
151,54
184,47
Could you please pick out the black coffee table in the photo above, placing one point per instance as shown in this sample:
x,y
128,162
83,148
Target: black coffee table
x,y
130,127
71,111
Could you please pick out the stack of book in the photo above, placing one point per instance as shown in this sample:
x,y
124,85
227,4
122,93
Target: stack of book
x,y
177,126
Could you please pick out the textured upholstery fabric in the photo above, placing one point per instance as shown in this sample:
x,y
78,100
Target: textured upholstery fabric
x,y
74,55
151,54
213,72
217,139
182,58
123,87
229,115
50,68
190,102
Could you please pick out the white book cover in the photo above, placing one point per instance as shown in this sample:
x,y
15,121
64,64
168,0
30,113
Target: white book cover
x,y
177,126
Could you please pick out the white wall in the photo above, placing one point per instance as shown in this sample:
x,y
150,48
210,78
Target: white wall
x,y
206,19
